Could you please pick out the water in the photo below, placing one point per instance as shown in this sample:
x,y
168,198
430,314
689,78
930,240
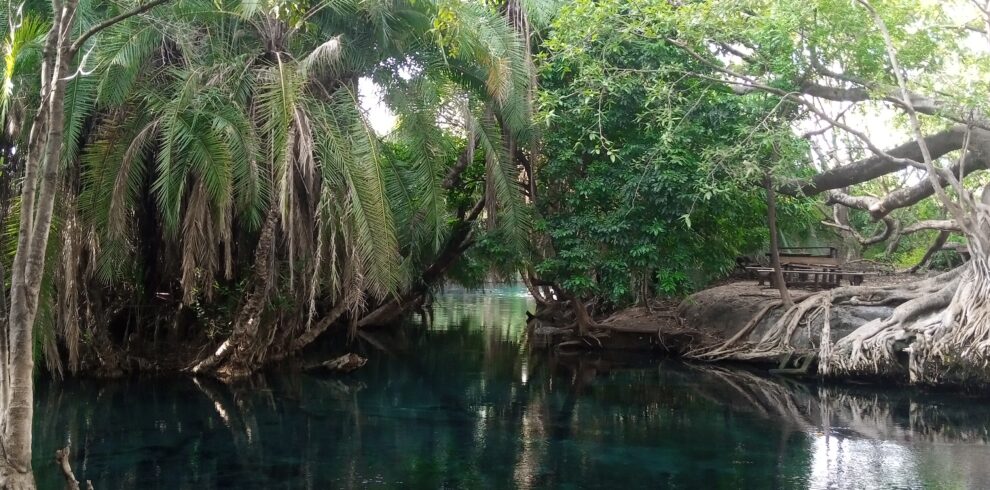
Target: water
x,y
464,404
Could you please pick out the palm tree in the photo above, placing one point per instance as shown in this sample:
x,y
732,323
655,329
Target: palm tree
x,y
218,154
217,174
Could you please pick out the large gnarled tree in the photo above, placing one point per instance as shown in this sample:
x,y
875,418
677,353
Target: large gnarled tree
x,y
857,69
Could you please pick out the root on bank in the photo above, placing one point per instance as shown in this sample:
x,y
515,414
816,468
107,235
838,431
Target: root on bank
x,y
937,332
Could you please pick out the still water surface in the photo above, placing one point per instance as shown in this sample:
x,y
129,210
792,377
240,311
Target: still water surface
x,y
464,403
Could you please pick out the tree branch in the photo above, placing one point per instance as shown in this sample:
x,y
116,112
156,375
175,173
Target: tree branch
x,y
867,169
932,224
795,97
92,31
933,172
935,247
453,178
921,103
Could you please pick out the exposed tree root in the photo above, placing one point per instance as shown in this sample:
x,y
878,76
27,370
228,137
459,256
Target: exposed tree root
x,y
956,344
731,346
870,349
584,342
942,324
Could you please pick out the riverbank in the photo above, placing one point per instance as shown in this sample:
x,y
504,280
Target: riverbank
x,y
736,321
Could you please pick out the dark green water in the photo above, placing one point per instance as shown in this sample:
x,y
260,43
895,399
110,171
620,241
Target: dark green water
x,y
464,404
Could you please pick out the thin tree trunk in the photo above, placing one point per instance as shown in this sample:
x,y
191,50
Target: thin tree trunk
x,y
936,246
41,169
853,248
236,356
778,275
44,151
459,240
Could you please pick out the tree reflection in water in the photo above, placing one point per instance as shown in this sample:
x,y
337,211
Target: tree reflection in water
x,y
465,404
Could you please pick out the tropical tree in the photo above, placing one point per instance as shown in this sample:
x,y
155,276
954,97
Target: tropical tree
x,y
217,175
916,66
651,182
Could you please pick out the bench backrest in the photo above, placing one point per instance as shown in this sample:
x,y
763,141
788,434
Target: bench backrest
x,y
809,256
812,260
809,251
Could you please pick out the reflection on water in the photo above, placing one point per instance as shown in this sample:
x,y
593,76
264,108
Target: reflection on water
x,y
464,404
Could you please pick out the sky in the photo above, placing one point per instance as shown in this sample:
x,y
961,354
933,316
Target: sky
x,y
382,120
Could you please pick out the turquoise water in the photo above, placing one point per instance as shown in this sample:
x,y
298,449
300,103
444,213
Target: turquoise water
x,y
464,403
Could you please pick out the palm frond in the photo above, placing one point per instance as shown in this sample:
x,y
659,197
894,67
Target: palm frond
x,y
250,190
121,60
374,228
428,152
80,100
21,52
511,214
325,59
129,180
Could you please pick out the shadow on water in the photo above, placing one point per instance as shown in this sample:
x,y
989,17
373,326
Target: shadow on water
x,y
463,403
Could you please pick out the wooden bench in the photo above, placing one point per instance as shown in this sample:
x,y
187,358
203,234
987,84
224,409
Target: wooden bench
x,y
828,277
815,256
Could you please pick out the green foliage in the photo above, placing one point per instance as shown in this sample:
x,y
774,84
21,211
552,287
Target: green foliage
x,y
651,177
190,126
255,126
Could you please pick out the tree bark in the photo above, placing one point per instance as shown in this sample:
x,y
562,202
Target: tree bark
x,y
44,151
778,274
41,174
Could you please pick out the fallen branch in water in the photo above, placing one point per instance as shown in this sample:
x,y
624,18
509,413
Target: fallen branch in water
x,y
344,364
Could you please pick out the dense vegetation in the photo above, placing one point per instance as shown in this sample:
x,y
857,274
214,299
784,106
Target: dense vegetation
x,y
222,198
652,180
195,185
202,130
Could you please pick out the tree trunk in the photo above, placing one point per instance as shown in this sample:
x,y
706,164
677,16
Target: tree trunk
x,y
459,240
935,247
778,275
38,189
236,357
44,151
853,248
581,318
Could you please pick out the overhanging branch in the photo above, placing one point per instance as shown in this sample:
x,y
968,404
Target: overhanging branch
x,y
94,30
867,169
932,224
